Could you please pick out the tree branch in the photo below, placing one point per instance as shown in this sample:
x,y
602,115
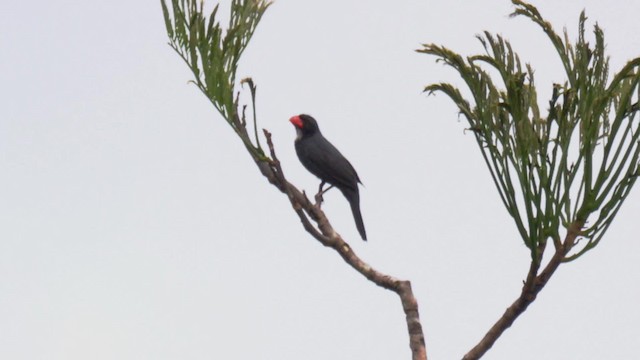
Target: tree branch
x,y
328,237
532,286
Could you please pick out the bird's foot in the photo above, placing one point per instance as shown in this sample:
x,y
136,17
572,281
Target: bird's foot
x,y
318,197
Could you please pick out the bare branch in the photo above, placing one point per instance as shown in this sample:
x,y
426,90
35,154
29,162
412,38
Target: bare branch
x,y
328,237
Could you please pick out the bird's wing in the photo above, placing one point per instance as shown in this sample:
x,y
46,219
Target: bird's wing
x,y
329,164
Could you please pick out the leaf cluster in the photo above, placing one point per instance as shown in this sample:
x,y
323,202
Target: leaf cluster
x,y
574,164
212,53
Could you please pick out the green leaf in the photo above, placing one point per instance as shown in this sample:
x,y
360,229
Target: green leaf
x,y
573,165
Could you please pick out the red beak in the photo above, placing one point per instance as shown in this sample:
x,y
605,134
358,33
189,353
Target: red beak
x,y
296,121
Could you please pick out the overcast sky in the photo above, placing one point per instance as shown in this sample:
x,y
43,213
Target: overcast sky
x,y
134,226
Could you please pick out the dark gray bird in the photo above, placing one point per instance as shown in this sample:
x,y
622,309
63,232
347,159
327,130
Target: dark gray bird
x,y
323,160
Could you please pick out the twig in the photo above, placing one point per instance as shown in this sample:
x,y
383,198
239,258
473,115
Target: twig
x,y
252,88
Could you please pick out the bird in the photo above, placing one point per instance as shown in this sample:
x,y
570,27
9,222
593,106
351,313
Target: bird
x,y
323,160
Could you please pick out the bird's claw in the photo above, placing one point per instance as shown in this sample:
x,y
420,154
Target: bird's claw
x,y
321,191
319,198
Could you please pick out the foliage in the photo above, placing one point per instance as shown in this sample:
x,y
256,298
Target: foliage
x,y
213,54
578,163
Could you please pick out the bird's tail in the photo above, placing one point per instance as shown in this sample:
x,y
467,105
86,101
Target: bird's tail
x,y
353,196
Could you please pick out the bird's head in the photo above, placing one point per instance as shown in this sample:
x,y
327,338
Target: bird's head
x,y
305,125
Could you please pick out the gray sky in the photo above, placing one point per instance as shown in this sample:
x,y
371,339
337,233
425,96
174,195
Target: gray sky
x,y
134,226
